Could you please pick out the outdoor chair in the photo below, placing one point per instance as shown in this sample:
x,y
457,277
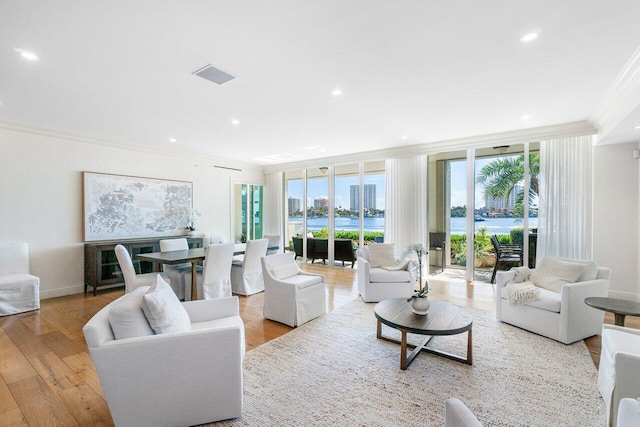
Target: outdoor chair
x,y
507,256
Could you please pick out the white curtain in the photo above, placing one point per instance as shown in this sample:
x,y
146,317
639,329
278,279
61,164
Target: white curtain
x,y
566,198
406,202
273,204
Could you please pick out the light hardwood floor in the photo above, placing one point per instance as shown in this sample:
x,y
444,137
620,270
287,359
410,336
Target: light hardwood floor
x,y
47,377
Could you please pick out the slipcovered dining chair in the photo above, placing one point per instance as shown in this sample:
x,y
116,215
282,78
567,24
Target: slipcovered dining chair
x,y
132,280
19,290
214,280
176,272
274,240
246,275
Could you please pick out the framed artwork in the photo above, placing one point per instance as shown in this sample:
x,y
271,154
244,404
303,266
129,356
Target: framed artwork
x,y
128,207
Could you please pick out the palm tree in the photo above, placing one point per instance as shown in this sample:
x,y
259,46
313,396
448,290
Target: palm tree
x,y
500,177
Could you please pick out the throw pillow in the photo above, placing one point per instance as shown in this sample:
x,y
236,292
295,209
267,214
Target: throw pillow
x,y
127,318
402,265
285,271
382,254
552,273
163,309
590,271
522,274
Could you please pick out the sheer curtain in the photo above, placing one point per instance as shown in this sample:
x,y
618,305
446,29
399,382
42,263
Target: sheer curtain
x,y
566,197
406,202
273,204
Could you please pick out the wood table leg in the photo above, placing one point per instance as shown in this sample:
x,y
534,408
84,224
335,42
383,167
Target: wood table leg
x,y
194,281
403,351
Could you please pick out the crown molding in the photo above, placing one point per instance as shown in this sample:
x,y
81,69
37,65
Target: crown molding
x,y
78,137
542,133
620,99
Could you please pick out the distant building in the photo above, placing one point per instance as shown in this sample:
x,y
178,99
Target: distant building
x,y
369,197
321,203
294,204
502,203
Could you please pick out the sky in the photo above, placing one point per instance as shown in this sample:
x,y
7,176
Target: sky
x,y
319,187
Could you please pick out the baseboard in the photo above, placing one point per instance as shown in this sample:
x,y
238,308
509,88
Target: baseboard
x,y
624,295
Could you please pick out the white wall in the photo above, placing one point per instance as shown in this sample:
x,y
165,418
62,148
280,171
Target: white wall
x,y
615,216
41,197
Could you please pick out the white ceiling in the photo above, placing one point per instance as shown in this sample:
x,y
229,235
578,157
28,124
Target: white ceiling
x,y
429,69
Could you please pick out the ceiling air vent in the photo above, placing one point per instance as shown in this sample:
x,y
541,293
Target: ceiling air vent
x,y
214,74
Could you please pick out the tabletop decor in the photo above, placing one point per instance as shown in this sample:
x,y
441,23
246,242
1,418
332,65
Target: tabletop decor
x,y
191,222
419,302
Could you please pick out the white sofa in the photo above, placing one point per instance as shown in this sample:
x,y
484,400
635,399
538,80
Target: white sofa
x,y
456,414
377,284
181,378
619,368
562,316
291,296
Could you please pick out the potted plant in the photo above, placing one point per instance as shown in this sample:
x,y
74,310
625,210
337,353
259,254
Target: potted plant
x,y
191,229
191,222
419,302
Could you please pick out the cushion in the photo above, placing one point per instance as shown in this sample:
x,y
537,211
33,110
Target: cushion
x,y
163,309
380,275
302,281
591,268
553,273
402,265
126,317
285,271
547,300
382,254
522,274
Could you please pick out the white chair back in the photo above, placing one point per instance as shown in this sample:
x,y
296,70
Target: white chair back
x,y
14,258
216,281
216,238
169,245
274,240
126,266
255,250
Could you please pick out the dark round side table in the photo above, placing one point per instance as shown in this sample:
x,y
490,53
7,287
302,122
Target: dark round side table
x,y
619,307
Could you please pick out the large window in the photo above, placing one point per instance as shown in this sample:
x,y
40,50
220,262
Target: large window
x,y
248,200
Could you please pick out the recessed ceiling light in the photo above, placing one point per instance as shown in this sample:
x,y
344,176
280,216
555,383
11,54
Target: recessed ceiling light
x,y
637,127
529,37
404,137
235,122
336,92
27,55
172,140
525,117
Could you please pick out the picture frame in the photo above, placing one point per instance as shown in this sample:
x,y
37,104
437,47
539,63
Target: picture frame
x,y
130,207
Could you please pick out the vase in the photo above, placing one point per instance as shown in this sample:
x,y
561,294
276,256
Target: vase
x,y
191,233
420,306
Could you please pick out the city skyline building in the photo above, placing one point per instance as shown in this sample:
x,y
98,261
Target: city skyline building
x,y
294,204
369,197
321,203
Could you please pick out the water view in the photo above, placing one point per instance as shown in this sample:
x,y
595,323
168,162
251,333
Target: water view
x,y
458,225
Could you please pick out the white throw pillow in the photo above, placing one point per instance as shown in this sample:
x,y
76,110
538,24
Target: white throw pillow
x,y
163,309
382,254
590,271
552,273
285,271
522,274
127,318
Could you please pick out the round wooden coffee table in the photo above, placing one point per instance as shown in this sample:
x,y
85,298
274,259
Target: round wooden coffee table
x,y
619,307
443,319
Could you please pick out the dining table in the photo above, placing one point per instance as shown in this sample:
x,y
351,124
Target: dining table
x,y
193,256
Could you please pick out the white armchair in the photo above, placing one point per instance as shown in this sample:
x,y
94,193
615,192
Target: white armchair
x,y
19,290
456,414
376,284
619,369
291,296
181,378
562,316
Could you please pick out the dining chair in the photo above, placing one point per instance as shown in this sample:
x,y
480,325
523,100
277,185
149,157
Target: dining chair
x,y
274,240
131,279
176,272
214,280
19,289
246,275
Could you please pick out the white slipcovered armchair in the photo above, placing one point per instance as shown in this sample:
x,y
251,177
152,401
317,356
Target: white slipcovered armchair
x,y
456,414
19,290
376,284
562,316
171,379
291,296
619,369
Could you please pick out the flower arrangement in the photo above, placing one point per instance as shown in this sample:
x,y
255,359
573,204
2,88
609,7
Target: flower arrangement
x,y
191,220
420,294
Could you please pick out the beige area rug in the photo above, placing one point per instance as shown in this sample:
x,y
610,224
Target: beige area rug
x,y
334,372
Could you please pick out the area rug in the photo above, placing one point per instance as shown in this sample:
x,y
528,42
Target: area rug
x,y
334,372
